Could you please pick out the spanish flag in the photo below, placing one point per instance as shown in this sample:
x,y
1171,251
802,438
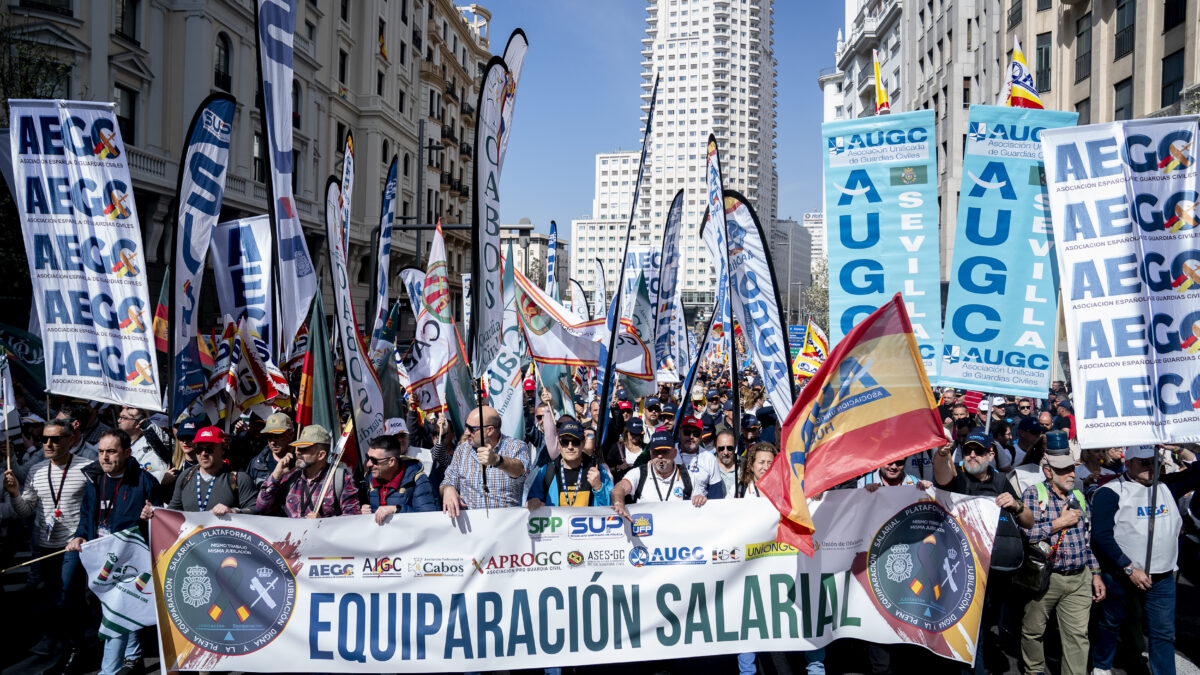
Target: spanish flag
x,y
882,105
160,313
1022,92
869,404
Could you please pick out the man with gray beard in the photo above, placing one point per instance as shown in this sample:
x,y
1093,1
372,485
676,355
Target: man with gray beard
x,y
976,477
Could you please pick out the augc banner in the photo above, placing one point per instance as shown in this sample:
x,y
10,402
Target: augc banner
x,y
1123,202
881,198
510,590
1003,304
84,247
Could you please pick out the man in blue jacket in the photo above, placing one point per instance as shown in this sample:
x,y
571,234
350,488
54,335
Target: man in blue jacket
x,y
398,484
572,479
118,495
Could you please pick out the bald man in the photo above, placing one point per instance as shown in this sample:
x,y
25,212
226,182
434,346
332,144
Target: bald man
x,y
485,455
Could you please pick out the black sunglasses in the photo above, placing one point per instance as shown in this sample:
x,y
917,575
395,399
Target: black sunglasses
x,y
975,450
377,460
569,442
688,431
725,448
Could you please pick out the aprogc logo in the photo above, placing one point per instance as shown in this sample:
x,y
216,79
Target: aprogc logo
x,y
518,562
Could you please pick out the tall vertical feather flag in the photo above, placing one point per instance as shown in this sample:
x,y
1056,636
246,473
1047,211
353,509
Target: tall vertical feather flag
x,y
315,403
1021,92
161,311
868,405
882,105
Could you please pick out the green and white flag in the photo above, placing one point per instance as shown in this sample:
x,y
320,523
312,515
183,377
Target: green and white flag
x,y
118,572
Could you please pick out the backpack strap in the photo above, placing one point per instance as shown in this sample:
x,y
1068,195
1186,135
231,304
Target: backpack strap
x,y
232,481
1042,497
687,482
339,479
189,474
643,473
549,474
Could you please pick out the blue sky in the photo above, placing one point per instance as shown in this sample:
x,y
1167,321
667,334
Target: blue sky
x,y
580,91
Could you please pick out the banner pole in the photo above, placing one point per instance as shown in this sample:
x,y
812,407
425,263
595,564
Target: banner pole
x,y
1153,508
987,425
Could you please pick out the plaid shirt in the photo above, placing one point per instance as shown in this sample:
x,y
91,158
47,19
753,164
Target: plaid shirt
x,y
465,474
299,492
1075,551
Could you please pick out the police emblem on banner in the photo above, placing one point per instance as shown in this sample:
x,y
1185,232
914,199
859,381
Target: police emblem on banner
x,y
229,591
921,568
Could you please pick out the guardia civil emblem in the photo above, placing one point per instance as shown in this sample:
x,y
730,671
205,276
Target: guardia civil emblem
x,y
908,176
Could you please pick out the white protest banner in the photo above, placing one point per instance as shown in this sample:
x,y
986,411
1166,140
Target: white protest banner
x,y
118,572
1123,204
84,246
241,261
509,589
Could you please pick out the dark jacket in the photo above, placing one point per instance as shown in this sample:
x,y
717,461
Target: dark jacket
x,y
415,494
136,488
261,466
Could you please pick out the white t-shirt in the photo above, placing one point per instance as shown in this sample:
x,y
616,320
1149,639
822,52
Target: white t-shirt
x,y
669,489
703,466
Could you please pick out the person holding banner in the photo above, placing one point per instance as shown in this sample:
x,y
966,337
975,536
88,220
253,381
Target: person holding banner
x,y
298,484
671,481
1061,527
702,465
119,495
53,495
560,482
150,442
398,483
1138,574
488,469
209,484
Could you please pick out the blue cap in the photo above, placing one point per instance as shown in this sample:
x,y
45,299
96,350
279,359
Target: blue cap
x,y
579,400
661,440
758,382
1030,425
749,421
635,426
713,394
766,412
1056,440
652,401
670,410
569,428
188,428
979,437
621,395
728,405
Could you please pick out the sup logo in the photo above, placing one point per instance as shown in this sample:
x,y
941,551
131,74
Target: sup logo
x,y
229,591
921,568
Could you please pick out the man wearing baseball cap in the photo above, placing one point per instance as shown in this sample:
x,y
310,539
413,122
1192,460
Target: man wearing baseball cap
x,y
572,478
1061,525
660,480
713,413
701,465
667,418
1137,586
297,485
653,412
211,485
279,431
630,451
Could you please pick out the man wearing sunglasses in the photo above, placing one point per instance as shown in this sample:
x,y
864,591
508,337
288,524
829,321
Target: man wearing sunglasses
x,y
1024,411
53,495
726,451
211,485
701,465
486,455
398,484
573,478
653,413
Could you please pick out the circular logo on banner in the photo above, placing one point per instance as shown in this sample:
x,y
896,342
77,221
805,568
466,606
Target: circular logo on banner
x,y
229,591
921,567
535,319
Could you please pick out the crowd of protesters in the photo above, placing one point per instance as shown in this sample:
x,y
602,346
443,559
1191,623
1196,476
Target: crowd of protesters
x,y
80,471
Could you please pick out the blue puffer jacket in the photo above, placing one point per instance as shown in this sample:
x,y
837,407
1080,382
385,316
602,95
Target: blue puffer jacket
x,y
136,488
415,494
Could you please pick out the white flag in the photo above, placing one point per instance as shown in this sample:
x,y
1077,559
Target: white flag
x,y
118,572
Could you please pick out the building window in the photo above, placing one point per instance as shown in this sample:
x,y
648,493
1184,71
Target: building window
x,y
387,151
1126,9
222,74
1084,108
1043,5
297,105
1083,47
345,10
1174,12
310,31
400,106
126,100
966,92
342,59
379,83
126,19
1015,10
1172,78
260,158
339,141
1042,62
407,159
1123,99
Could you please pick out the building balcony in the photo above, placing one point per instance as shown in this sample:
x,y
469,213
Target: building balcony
x,y
465,149
451,93
467,109
417,43
448,137
446,181
464,192
455,186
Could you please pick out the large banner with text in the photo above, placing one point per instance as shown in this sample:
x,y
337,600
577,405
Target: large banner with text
x,y
1002,309
881,196
84,246
1123,202
516,589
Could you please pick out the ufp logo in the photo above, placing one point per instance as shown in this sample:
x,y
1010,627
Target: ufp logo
x,y
643,525
597,527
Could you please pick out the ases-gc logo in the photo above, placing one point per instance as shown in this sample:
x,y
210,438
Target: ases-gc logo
x,y
229,591
921,568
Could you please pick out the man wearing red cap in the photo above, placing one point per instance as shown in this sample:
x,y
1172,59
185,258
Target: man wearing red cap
x,y
702,466
211,485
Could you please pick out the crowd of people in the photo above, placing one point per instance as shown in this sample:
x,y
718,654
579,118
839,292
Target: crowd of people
x,y
1071,542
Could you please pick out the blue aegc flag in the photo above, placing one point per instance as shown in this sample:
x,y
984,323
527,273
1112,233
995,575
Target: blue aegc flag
x,y
1003,301
881,210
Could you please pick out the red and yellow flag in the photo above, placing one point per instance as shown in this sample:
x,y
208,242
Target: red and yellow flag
x,y
882,105
869,404
1022,92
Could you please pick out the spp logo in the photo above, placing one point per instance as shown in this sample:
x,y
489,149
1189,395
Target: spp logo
x,y
382,567
331,568
643,525
641,556
544,526
597,527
